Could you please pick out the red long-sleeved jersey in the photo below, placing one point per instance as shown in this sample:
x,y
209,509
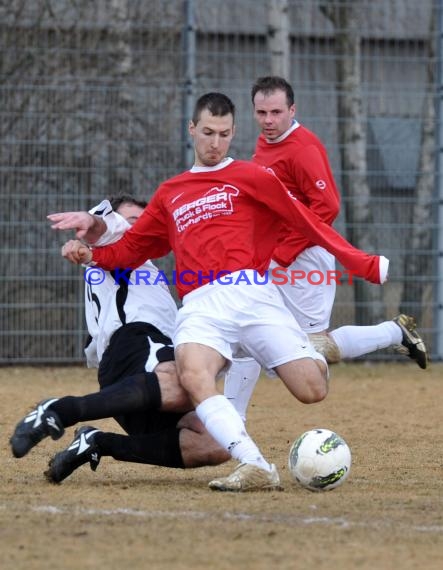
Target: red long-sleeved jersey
x,y
300,161
224,219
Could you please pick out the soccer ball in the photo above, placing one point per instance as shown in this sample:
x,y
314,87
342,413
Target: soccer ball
x,y
319,460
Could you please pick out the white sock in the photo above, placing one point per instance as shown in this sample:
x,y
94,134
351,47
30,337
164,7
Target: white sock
x,y
354,341
240,382
225,425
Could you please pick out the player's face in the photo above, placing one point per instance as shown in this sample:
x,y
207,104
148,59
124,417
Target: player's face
x,y
273,114
130,212
212,137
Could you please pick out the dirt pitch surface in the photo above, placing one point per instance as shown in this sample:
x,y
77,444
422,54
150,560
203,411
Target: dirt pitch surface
x,y
387,515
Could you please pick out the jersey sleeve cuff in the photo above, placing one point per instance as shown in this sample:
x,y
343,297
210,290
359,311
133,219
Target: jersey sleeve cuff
x,y
116,225
384,269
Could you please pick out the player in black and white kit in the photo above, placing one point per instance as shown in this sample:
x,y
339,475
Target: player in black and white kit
x,y
130,326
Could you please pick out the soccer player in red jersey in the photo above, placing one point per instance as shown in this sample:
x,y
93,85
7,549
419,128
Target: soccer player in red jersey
x,y
223,219
299,159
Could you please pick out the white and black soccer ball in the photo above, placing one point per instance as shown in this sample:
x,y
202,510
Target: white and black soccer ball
x,y
319,460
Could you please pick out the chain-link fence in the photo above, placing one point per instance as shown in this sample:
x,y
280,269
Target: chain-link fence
x,y
95,100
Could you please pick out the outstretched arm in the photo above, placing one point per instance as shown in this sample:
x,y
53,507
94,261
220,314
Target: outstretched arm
x,y
98,227
147,239
373,268
86,226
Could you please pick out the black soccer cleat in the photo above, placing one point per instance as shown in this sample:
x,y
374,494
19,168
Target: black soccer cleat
x,y
41,422
83,449
412,341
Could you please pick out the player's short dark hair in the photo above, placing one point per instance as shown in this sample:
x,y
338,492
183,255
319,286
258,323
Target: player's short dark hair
x,y
120,199
271,83
218,104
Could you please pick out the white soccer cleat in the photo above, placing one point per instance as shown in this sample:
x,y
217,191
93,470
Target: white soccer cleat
x,y
247,477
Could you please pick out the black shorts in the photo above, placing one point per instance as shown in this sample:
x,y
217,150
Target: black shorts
x,y
133,349
129,352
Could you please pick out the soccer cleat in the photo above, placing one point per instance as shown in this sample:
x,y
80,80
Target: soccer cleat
x,y
41,422
412,341
83,449
247,477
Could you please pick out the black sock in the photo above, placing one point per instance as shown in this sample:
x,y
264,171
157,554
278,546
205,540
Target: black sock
x,y
132,394
159,448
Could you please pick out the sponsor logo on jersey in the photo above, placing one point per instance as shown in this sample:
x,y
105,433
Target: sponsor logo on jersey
x,y
215,202
321,184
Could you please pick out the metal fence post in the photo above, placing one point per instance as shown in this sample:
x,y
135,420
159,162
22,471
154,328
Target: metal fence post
x,y
438,339
189,48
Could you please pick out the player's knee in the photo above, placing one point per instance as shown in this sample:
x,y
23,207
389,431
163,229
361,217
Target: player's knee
x,y
316,387
167,367
175,399
188,379
314,392
306,379
173,396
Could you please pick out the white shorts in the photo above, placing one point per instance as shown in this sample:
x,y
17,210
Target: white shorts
x,y
243,318
310,297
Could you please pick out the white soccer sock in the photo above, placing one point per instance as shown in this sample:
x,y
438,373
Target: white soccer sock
x,y
225,425
354,341
240,382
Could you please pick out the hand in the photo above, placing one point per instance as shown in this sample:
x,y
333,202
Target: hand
x,y
76,252
86,225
